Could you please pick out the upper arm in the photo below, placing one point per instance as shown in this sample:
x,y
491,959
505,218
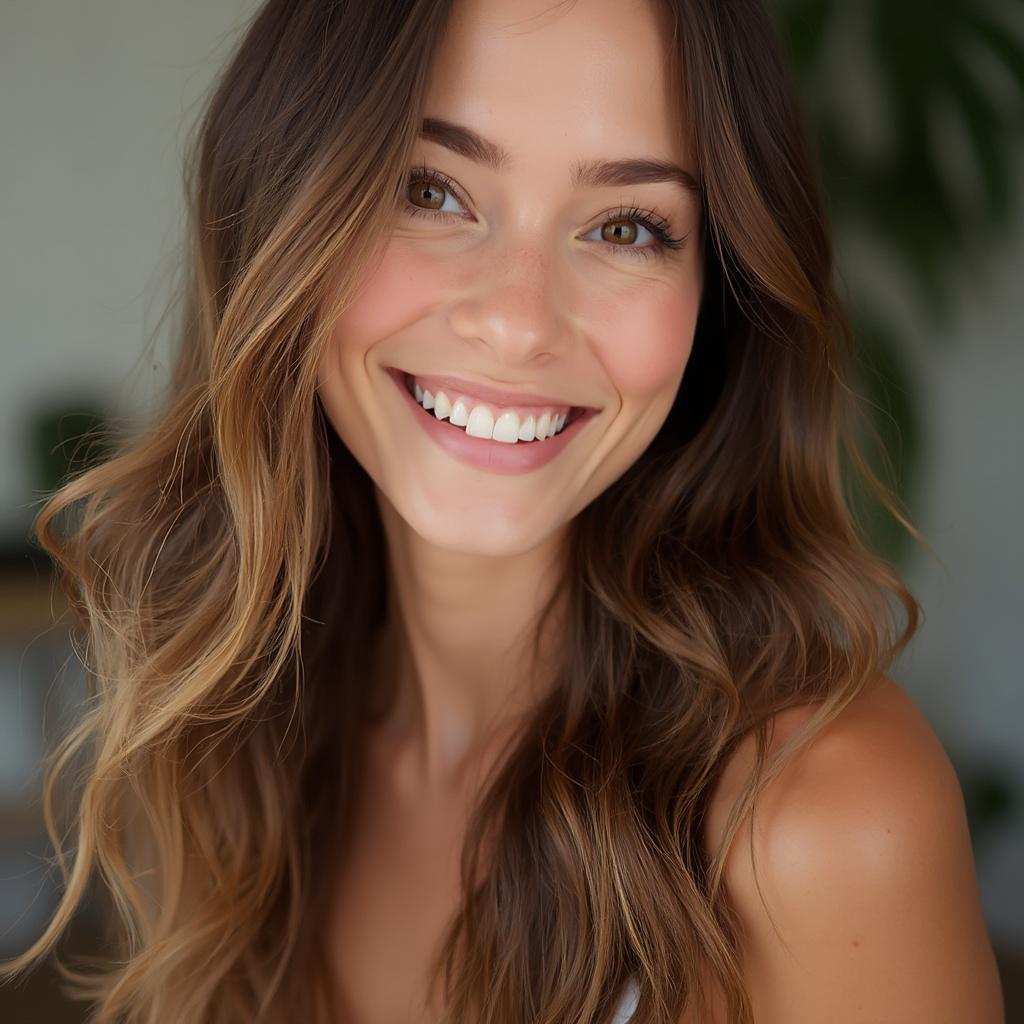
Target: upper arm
x,y
871,910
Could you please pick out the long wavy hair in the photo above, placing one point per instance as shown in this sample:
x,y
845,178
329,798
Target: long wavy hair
x,y
223,570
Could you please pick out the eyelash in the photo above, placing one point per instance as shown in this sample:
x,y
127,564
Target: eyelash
x,y
656,224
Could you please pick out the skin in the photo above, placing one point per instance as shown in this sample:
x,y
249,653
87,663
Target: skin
x,y
871,910
862,846
522,293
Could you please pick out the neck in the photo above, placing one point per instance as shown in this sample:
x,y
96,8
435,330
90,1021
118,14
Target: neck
x,y
457,647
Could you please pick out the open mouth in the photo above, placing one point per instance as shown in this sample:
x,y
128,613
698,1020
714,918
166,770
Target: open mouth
x,y
573,414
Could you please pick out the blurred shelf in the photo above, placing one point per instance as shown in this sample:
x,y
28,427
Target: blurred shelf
x,y
30,602
21,820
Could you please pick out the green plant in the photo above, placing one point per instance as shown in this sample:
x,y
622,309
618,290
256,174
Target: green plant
x,y
889,89
67,437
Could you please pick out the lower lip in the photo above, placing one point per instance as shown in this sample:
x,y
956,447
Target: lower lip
x,y
495,456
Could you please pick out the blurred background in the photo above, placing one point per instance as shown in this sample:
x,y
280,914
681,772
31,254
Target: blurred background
x,y
917,113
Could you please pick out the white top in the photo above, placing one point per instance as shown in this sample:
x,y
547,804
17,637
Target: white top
x,y
627,1004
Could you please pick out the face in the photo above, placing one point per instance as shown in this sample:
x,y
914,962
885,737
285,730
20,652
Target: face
x,y
513,285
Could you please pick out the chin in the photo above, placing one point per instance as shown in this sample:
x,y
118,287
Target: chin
x,y
476,527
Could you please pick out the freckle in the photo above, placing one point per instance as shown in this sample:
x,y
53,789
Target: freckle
x,y
855,943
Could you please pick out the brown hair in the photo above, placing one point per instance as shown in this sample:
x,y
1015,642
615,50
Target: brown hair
x,y
231,552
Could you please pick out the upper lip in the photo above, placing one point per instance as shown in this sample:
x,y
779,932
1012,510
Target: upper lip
x,y
498,396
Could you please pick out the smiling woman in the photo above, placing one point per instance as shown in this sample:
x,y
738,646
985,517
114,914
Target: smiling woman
x,y
489,565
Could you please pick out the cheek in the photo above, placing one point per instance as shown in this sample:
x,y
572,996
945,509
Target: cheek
x,y
395,289
644,340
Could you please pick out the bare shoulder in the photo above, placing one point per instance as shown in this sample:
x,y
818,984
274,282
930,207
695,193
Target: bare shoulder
x,y
861,901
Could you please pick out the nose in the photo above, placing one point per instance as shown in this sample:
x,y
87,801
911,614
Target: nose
x,y
510,306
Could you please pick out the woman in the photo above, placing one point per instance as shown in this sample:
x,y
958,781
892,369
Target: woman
x,y
490,558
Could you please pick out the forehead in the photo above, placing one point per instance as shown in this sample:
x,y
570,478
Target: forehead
x,y
551,80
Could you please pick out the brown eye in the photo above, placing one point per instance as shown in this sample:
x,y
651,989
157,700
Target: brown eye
x,y
426,194
618,231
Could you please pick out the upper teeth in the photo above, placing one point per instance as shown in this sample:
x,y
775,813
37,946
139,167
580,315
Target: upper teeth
x,y
479,420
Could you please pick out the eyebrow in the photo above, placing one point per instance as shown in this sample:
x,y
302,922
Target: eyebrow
x,y
585,173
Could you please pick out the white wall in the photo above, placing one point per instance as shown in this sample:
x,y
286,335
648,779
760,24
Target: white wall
x,y
95,99
966,668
